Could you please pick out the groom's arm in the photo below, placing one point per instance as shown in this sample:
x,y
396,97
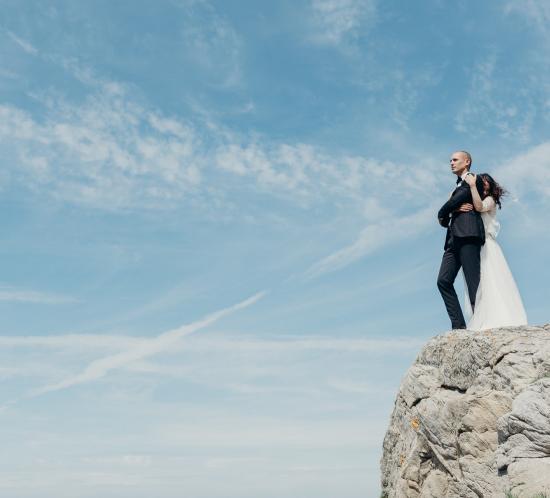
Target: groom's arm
x,y
461,196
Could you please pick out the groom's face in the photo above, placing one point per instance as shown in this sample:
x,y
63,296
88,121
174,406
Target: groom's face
x,y
459,163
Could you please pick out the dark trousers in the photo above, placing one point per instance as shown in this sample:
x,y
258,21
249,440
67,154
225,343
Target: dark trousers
x,y
462,253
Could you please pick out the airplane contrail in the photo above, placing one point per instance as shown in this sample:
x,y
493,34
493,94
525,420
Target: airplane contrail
x,y
99,368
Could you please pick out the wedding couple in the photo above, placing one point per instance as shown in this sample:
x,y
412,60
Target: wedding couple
x,y
492,298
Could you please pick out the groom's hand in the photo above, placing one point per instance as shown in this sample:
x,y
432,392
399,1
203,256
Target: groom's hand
x,y
464,208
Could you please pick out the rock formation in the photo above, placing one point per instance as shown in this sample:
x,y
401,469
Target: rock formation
x,y
472,418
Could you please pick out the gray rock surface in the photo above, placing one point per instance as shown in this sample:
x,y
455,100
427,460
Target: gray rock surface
x,y
472,418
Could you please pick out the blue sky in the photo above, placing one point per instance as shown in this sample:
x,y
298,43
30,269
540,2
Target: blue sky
x,y
219,246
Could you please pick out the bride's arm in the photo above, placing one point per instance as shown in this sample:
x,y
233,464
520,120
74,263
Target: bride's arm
x,y
488,204
478,203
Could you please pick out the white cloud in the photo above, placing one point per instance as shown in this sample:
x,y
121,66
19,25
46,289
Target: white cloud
x,y
218,360
538,13
28,296
71,342
307,174
294,344
493,102
31,368
280,168
108,152
222,343
338,22
391,229
528,173
111,151
24,44
214,46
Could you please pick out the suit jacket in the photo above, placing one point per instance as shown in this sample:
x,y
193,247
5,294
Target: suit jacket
x,y
458,224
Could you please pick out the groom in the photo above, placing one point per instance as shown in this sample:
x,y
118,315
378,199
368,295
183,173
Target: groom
x,y
465,236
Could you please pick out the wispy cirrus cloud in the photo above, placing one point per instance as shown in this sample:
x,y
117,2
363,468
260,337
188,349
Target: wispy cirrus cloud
x,y
71,342
494,103
221,344
538,13
99,154
528,173
265,364
306,171
111,151
23,44
390,229
340,22
212,44
14,295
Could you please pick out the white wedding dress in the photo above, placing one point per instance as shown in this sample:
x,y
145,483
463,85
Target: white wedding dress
x,y
498,302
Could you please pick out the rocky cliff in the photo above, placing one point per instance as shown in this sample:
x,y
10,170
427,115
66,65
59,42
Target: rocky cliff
x,y
472,418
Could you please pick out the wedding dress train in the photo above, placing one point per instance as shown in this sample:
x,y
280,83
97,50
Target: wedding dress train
x,y
498,302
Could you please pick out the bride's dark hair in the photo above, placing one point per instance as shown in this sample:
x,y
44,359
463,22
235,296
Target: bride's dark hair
x,y
496,191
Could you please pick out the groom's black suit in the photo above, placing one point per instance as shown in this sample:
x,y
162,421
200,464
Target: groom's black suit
x,y
465,236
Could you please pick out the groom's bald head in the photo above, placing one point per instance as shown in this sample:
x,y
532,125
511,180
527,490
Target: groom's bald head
x,y
461,161
467,156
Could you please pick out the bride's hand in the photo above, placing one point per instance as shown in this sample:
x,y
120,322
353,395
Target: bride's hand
x,y
470,179
464,208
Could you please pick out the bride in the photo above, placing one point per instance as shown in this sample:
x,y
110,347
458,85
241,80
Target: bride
x,y
498,302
